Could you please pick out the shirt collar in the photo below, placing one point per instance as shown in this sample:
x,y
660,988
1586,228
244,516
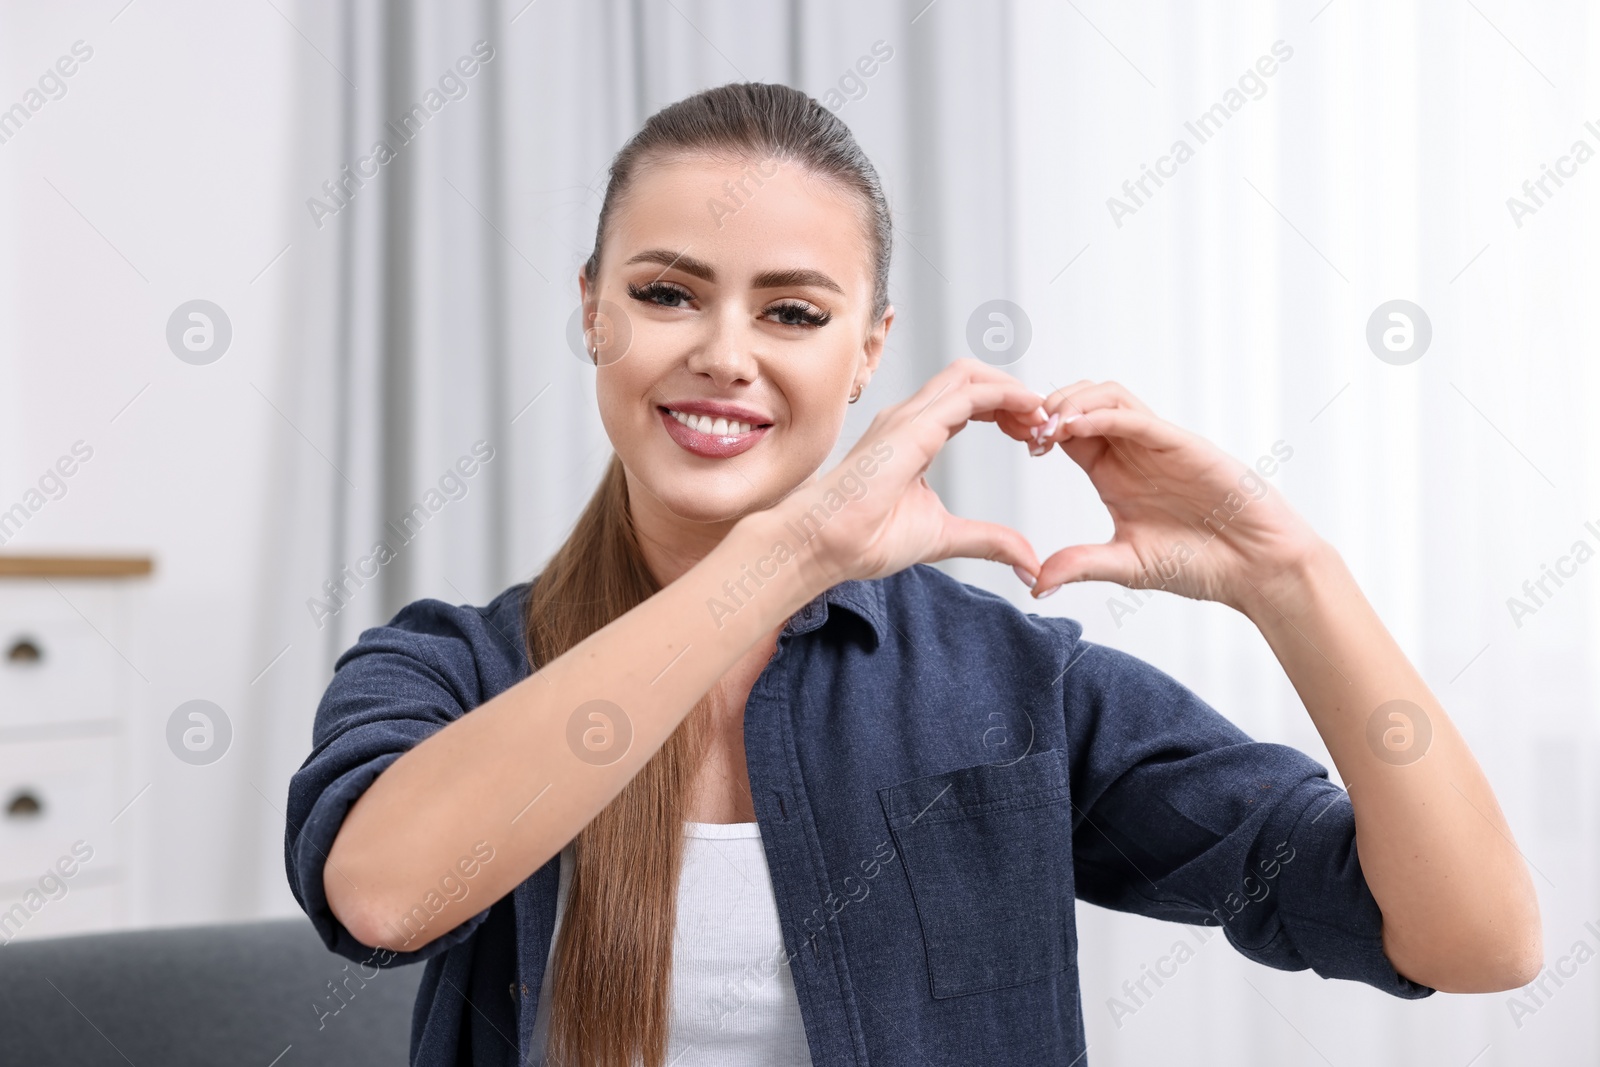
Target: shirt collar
x,y
864,599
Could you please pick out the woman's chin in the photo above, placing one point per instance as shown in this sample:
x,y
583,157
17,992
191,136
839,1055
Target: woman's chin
x,y
710,499
721,493
713,512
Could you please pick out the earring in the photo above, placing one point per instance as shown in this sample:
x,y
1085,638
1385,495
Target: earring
x,y
856,395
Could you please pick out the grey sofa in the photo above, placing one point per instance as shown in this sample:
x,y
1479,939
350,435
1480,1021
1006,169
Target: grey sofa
x,y
253,993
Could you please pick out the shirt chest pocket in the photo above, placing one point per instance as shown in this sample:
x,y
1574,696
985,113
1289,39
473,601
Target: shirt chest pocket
x,y
988,852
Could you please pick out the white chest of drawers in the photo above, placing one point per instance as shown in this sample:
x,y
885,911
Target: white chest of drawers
x,y
68,706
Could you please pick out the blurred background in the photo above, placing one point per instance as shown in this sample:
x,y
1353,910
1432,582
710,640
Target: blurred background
x,y
239,345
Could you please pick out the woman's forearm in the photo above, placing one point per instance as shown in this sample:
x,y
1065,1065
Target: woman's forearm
x,y
1459,909
505,774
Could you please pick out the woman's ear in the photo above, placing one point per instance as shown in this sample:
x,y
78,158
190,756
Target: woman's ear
x,y
589,306
872,348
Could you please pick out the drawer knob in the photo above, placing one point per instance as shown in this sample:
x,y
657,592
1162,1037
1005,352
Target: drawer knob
x,y
25,805
24,650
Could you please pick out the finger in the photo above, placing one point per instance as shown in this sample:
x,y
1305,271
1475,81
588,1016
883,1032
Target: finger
x,y
949,412
1111,562
1110,422
1086,396
1023,427
1052,399
1064,404
967,371
974,539
986,401
1025,421
954,375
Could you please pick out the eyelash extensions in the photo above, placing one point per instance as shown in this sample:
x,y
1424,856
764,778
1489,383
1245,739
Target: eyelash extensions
x,y
807,317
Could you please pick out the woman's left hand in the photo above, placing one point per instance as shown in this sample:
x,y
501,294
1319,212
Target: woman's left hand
x,y
1188,517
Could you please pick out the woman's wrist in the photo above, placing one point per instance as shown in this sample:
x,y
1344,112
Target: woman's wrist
x,y
1292,587
764,560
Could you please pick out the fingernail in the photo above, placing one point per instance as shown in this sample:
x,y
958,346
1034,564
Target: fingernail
x,y
1047,592
1040,411
1039,448
1050,427
1072,418
1024,576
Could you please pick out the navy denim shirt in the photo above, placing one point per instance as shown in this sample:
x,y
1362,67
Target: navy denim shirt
x,y
937,777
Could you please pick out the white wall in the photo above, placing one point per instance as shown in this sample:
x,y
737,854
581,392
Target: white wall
x,y
156,179
1390,140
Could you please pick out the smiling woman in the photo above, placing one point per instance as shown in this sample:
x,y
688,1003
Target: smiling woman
x,y
738,646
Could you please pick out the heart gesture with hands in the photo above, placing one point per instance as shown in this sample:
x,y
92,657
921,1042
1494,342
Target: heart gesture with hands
x,y
1189,518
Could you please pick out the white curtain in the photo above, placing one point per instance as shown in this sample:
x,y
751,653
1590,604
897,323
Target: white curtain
x,y
1375,163
430,312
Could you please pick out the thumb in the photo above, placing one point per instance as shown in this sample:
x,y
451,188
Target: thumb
x,y
1111,562
987,540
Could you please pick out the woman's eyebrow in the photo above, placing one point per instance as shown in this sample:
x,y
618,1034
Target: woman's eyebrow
x,y
772,279
782,279
668,258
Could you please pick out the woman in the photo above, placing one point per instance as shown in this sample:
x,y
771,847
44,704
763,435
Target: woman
x,y
879,789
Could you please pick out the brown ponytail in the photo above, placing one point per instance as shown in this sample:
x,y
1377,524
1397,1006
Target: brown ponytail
x,y
613,959
613,962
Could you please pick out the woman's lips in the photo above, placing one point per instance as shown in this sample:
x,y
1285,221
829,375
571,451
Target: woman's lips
x,y
711,446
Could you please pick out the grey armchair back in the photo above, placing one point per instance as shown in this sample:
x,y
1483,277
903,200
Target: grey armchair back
x,y
268,994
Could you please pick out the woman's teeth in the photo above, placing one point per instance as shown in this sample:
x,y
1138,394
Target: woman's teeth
x,y
706,424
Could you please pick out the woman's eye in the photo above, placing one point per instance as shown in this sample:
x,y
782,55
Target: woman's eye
x,y
799,315
668,295
659,293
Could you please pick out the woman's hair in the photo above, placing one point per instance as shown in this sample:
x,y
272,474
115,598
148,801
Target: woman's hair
x,y
613,961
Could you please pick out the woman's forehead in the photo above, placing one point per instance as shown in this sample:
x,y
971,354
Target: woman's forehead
x,y
741,218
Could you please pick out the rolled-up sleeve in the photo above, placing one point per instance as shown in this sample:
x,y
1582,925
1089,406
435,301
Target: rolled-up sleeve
x,y
396,686
1180,815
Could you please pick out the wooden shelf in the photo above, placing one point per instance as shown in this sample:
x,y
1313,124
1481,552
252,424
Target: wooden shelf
x,y
75,566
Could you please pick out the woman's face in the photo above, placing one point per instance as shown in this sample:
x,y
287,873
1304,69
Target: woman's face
x,y
745,291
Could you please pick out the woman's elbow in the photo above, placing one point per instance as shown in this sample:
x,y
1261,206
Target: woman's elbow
x,y
355,910
1491,957
1514,944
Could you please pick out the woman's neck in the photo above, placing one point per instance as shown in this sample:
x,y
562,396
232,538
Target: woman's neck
x,y
670,543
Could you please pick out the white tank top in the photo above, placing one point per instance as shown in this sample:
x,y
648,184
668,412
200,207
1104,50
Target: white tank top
x,y
733,999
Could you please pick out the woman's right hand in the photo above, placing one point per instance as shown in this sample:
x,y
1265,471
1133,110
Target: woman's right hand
x,y
874,514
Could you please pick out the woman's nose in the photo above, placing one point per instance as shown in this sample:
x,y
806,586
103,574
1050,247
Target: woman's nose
x,y
727,350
